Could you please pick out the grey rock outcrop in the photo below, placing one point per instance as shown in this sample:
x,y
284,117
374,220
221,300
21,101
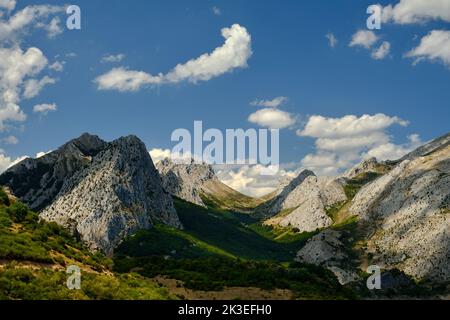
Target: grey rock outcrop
x,y
327,249
303,202
118,193
186,181
36,182
368,165
100,191
406,214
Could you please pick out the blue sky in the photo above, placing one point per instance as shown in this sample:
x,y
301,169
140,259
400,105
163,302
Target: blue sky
x,y
291,57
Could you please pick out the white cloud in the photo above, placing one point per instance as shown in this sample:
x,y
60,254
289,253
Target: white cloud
x,y
35,15
390,151
159,154
332,41
57,66
233,54
364,38
250,180
53,28
342,142
44,108
8,4
382,51
7,162
417,11
15,67
10,140
434,47
272,118
112,58
42,153
216,11
33,87
274,103
348,126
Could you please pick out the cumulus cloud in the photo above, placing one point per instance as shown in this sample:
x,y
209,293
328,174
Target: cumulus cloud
x,y
342,142
112,58
233,54
433,47
35,15
417,11
272,118
8,4
382,51
158,154
332,41
274,103
7,162
364,38
33,87
53,28
42,153
44,108
15,67
393,151
250,180
347,126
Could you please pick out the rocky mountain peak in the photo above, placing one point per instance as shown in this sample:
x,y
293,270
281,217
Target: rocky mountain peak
x,y
101,191
87,144
186,180
367,165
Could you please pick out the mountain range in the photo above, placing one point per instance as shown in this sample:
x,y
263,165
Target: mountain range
x,y
394,214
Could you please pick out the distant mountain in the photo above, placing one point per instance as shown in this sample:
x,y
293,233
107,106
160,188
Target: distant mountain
x,y
101,191
197,183
302,203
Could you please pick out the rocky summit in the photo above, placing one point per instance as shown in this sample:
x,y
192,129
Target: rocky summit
x,y
100,191
38,181
186,181
197,182
303,202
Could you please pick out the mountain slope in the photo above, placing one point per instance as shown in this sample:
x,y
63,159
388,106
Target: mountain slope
x,y
34,256
99,191
36,182
197,183
302,204
405,214
121,192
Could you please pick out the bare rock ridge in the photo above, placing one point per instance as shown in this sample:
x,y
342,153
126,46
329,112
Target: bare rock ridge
x,y
303,202
194,182
36,182
186,181
368,165
406,213
103,191
329,249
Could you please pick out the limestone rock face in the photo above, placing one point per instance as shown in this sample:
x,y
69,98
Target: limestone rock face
x,y
118,193
36,182
368,165
186,181
302,203
406,213
100,191
327,249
